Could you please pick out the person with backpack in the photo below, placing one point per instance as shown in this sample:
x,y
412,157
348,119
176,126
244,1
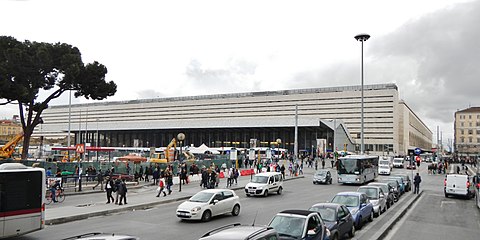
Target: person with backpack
x,y
161,187
118,189
123,195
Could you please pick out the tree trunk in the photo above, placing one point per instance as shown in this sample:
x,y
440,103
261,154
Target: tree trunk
x,y
27,134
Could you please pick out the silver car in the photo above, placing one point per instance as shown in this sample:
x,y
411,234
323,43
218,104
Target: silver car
x,y
377,198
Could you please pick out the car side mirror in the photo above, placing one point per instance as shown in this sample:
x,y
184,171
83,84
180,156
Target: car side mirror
x,y
311,232
362,205
215,201
382,196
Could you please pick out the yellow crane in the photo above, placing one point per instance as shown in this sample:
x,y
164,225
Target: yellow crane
x,y
168,155
8,149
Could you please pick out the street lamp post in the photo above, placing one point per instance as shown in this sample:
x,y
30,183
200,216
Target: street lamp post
x,y
362,38
180,138
279,141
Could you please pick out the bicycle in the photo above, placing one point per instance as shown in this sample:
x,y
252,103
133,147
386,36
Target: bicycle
x,y
59,196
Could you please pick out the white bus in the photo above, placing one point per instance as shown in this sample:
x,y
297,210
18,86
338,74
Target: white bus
x,y
357,169
22,194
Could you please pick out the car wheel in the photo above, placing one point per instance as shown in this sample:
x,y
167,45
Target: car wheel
x,y
359,223
352,232
236,210
370,218
206,216
265,194
279,191
446,195
335,237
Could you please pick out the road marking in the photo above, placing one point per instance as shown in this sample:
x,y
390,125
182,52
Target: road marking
x,y
446,202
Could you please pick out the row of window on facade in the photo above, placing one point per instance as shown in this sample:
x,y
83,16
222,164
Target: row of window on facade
x,y
469,116
470,140
470,124
470,131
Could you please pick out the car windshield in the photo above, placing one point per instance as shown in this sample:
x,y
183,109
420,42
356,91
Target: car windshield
x,y
384,167
288,226
349,201
320,173
259,179
327,214
383,187
201,197
397,161
383,162
371,192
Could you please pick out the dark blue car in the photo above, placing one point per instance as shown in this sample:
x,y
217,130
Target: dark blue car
x,y
338,219
358,205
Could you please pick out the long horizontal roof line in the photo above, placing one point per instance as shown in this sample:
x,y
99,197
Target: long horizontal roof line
x,y
244,94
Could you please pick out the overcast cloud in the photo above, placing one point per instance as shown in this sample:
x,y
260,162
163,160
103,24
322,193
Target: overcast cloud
x,y
156,48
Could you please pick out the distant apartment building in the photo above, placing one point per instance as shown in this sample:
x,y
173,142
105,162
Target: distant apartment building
x,y
467,132
8,129
232,120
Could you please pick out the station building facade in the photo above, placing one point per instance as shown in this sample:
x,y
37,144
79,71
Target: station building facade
x,y
233,120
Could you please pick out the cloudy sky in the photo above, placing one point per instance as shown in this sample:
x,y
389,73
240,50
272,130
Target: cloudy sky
x,y
156,48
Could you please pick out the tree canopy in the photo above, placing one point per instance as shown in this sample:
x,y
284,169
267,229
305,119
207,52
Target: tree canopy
x,y
26,68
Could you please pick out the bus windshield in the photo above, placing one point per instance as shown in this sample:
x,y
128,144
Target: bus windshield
x,y
348,166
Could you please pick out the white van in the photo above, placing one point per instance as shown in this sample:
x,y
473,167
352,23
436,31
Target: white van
x,y
264,183
398,162
458,185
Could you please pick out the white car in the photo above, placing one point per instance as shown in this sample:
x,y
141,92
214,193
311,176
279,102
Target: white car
x,y
377,197
208,203
458,185
264,183
384,170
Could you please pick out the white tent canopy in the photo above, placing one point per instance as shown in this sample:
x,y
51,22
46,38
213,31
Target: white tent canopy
x,y
202,149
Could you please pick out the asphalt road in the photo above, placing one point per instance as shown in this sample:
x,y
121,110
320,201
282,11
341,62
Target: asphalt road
x,y
434,216
160,222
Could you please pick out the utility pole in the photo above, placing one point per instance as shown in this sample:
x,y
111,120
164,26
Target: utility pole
x,y
295,149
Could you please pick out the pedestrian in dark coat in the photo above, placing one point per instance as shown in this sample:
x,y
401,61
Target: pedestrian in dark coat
x,y
124,192
416,182
109,187
204,178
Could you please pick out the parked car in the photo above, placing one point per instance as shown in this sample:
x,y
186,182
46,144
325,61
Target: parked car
x,y
208,203
386,161
239,231
396,187
322,176
458,185
338,219
264,183
299,224
358,205
406,180
377,198
400,182
398,162
387,190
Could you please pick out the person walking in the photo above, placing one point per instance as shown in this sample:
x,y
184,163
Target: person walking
x,y
416,181
323,164
124,192
161,187
282,170
235,175
169,180
109,188
118,188
99,180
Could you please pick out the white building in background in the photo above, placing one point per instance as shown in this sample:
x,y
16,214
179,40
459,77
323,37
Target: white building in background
x,y
226,120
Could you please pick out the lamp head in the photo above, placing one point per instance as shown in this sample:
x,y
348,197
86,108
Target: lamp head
x,y
362,37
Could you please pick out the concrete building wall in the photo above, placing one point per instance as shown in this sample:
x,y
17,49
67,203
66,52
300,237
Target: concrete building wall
x,y
467,132
381,111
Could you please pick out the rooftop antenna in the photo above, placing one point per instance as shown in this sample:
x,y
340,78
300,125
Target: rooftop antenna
x,y
253,224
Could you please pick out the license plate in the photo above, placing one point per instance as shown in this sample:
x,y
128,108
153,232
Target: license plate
x,y
182,214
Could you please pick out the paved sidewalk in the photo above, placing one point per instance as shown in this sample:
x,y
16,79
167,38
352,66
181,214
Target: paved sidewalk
x,y
90,203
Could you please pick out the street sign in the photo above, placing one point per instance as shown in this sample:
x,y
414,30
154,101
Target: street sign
x,y
418,151
80,148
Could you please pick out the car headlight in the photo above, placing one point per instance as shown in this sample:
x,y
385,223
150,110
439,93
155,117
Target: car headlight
x,y
196,209
354,211
260,187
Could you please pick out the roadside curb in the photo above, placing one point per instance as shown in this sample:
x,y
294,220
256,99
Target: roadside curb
x,y
385,228
140,206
